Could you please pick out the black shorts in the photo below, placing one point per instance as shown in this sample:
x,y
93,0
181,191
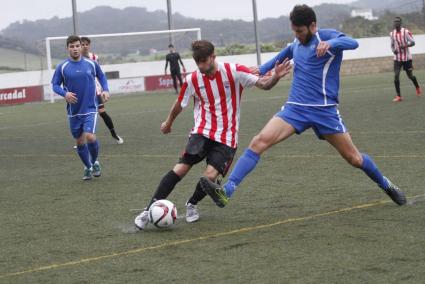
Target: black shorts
x,y
100,102
218,155
407,65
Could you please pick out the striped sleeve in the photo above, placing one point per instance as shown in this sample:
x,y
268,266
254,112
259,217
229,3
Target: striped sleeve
x,y
187,90
246,78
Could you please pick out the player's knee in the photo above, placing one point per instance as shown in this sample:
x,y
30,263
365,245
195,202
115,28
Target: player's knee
x,y
181,169
259,143
90,137
355,160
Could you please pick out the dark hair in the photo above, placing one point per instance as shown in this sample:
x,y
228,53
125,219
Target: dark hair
x,y
302,15
170,45
71,39
201,50
85,39
397,19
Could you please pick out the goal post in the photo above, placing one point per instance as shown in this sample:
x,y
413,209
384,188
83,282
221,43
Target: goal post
x,y
164,34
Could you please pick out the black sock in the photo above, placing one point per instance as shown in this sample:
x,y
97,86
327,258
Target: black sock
x,y
415,81
108,121
198,195
166,185
397,87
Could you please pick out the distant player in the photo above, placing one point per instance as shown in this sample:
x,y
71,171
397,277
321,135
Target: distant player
x,y
75,80
312,103
401,40
85,42
216,89
173,58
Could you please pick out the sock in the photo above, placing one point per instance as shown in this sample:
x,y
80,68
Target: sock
x,y
373,172
94,150
166,185
83,152
415,82
397,87
245,164
198,194
108,121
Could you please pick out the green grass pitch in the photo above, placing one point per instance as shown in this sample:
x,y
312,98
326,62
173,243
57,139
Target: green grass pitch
x,y
303,216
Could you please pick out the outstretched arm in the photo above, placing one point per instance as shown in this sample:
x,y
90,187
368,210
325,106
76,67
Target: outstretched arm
x,y
280,70
269,65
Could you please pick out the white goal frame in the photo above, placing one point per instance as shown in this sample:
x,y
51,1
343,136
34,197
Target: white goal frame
x,y
49,39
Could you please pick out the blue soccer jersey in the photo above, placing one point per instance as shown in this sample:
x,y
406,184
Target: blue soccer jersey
x,y
316,79
79,77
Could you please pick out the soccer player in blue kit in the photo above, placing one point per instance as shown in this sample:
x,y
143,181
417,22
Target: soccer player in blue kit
x,y
312,103
74,79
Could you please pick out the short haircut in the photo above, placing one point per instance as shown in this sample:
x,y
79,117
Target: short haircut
x,y
302,15
397,19
85,39
201,50
71,39
170,45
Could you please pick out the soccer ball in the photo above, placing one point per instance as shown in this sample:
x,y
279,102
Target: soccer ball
x,y
162,213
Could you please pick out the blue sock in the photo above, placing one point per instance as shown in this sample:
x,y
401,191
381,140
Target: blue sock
x,y
245,164
83,152
94,150
373,172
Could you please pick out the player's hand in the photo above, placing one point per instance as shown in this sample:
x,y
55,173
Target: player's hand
x,y
71,98
254,70
322,48
282,69
165,127
105,96
184,70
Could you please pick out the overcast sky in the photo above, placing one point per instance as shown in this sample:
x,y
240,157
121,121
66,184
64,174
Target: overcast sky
x,y
18,10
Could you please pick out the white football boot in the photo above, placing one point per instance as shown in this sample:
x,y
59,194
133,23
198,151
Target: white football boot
x,y
142,220
192,213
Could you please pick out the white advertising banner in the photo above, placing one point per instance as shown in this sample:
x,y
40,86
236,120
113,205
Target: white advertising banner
x,y
130,85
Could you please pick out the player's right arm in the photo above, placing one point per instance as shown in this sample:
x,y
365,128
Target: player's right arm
x,y
57,82
175,110
393,44
186,92
280,57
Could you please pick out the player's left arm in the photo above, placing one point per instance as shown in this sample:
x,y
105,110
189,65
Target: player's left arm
x,y
103,82
181,62
337,42
409,39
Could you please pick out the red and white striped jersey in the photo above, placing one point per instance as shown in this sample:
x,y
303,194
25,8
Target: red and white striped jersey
x,y
94,57
399,42
217,101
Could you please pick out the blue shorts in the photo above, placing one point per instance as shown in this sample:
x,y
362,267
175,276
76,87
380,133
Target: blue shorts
x,y
323,120
82,123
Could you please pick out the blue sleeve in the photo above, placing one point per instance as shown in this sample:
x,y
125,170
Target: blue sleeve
x,y
269,65
339,41
102,78
57,81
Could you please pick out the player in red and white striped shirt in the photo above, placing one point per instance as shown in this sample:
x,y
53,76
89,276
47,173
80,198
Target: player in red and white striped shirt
x,y
401,40
216,90
85,44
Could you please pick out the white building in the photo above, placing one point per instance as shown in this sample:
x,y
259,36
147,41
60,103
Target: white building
x,y
364,13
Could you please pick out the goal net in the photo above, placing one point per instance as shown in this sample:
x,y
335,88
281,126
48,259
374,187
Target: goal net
x,y
129,47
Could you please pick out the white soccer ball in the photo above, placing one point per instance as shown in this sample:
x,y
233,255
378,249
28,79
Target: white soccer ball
x,y
162,213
